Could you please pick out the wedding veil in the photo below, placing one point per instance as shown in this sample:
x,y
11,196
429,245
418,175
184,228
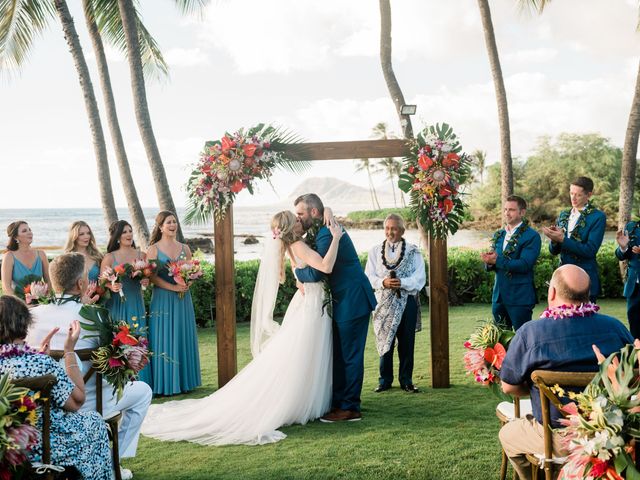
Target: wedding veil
x,y
263,327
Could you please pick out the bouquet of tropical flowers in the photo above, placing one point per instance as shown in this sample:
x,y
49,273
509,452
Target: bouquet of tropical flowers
x,y
602,429
140,269
123,352
486,349
18,434
433,174
184,272
37,293
112,276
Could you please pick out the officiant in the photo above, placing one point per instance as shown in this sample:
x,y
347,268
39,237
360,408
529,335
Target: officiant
x,y
396,271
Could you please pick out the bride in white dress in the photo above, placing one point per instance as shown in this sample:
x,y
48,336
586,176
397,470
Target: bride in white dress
x,y
289,379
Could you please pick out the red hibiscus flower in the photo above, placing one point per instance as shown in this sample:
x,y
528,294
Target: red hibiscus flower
x,y
447,205
237,186
249,150
495,355
424,162
227,144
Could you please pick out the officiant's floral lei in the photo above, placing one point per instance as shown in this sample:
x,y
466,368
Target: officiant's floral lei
x,y
510,247
433,174
569,311
230,165
563,221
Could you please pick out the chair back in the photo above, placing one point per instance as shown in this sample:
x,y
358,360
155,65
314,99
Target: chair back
x,y
84,355
44,385
545,380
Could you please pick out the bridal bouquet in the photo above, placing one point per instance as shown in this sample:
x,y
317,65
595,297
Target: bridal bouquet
x,y
140,269
18,434
185,272
603,423
486,349
123,352
37,293
112,276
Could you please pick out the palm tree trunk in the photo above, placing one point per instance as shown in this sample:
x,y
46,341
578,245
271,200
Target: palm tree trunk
x,y
127,13
91,105
373,188
393,190
140,228
387,68
629,163
501,98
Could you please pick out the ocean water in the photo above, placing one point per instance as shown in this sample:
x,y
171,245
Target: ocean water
x,y
50,228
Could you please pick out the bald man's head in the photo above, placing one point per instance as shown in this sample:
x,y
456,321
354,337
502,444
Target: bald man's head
x,y
571,284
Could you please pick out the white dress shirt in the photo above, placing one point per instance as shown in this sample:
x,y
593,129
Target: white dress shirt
x,y
509,233
573,220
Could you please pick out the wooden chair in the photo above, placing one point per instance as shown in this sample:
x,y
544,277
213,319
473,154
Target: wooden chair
x,y
544,380
506,412
113,420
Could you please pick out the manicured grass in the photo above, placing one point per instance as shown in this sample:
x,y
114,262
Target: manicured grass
x,y
437,434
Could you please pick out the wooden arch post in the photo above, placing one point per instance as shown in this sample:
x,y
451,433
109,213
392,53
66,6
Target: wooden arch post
x,y
225,268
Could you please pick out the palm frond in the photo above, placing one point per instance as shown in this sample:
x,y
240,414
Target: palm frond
x,y
20,23
107,15
532,6
189,7
195,214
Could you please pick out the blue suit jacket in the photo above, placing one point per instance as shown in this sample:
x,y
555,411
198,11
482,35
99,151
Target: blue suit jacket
x,y
352,293
583,253
633,270
514,274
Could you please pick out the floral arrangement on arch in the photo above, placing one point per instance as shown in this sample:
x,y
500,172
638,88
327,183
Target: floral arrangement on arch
x,y
433,175
232,164
485,351
18,434
602,429
123,351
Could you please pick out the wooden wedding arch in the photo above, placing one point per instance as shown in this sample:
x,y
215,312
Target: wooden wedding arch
x,y
225,269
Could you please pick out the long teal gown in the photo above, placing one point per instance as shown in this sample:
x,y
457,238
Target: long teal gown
x,y
130,309
20,271
172,327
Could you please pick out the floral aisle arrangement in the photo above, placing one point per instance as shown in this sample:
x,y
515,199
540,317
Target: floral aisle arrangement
x,y
232,164
18,434
486,349
123,352
433,175
185,272
602,429
140,269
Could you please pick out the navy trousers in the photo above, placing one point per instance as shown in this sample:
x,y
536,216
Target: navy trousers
x,y
349,339
633,312
406,337
511,315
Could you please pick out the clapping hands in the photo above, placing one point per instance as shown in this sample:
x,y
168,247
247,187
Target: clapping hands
x,y
554,233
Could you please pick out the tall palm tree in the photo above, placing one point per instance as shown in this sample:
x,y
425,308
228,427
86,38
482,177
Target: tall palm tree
x,y
366,165
140,228
501,98
480,157
387,68
629,162
390,166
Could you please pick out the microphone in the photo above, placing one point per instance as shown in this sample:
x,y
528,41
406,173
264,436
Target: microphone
x,y
393,274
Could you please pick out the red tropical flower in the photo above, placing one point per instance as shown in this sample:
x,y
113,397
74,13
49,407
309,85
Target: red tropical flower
x,y
451,160
227,144
123,337
447,206
119,269
412,169
424,162
237,186
249,150
495,355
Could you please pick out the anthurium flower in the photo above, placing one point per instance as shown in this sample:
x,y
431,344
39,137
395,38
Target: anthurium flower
x,y
495,355
447,207
119,269
249,150
123,337
237,186
451,160
424,162
227,144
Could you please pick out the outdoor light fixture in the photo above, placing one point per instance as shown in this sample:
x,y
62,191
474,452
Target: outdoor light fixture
x,y
408,109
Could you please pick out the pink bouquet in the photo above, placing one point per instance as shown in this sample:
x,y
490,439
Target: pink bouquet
x,y
140,269
112,275
37,293
184,272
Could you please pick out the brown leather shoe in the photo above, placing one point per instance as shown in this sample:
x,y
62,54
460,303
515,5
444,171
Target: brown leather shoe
x,y
341,416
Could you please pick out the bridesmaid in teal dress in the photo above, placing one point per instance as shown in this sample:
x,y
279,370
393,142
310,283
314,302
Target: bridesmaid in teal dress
x,y
81,240
129,306
20,260
172,322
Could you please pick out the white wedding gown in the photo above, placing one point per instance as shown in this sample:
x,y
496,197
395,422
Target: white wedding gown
x,y
287,382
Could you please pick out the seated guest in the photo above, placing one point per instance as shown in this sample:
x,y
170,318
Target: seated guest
x,y
69,279
562,340
396,272
629,249
78,439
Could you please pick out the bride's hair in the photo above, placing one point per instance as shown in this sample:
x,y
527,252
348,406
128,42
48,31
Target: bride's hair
x,y
282,226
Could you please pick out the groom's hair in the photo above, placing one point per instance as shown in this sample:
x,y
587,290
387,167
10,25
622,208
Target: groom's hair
x,y
312,200
65,271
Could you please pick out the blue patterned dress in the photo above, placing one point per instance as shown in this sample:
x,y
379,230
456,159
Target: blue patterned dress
x,y
130,309
20,271
172,334
77,439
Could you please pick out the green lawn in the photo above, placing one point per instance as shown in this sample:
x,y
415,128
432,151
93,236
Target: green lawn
x,y
437,434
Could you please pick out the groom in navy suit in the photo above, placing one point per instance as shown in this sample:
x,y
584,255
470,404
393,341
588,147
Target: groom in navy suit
x,y
515,251
353,302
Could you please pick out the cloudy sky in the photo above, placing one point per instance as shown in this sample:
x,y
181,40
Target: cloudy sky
x,y
313,67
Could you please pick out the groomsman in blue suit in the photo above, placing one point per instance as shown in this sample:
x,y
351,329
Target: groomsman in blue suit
x,y
353,302
578,233
515,251
629,249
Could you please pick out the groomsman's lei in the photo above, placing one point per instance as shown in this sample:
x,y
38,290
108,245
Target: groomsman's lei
x,y
563,221
510,247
